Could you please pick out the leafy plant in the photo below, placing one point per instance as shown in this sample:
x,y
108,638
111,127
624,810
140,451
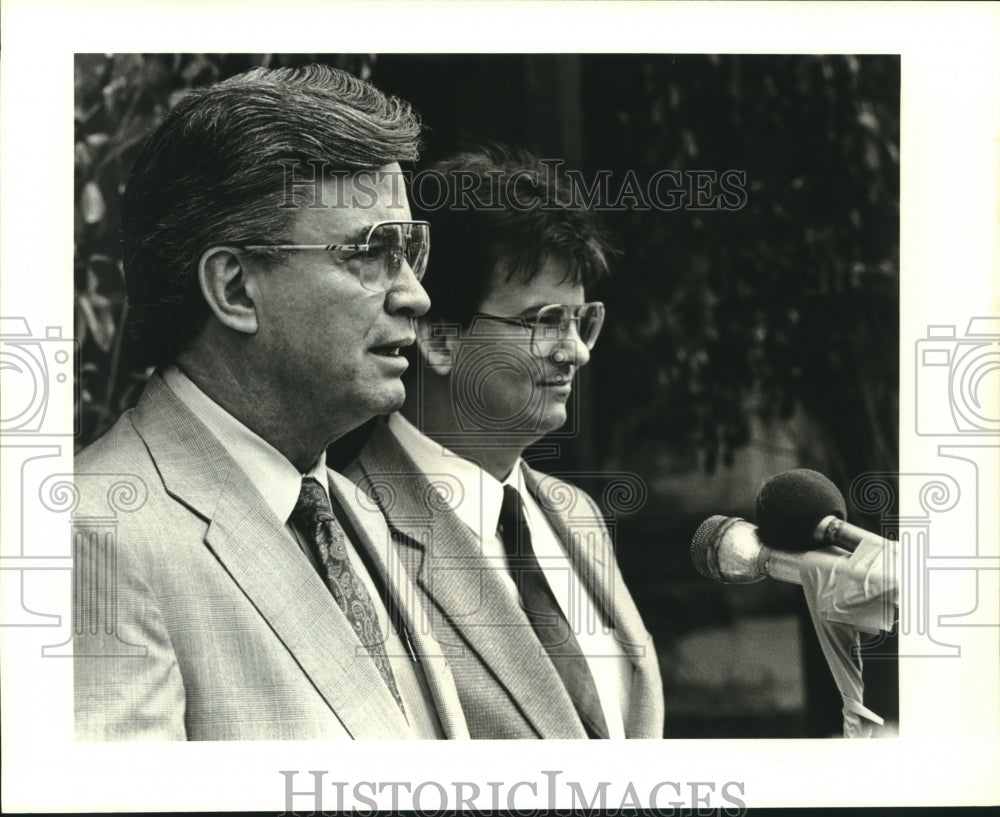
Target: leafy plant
x,y
783,309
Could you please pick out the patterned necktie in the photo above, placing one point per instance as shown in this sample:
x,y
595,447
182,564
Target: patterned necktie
x,y
314,518
546,617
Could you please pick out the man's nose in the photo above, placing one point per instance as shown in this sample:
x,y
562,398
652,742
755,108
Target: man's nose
x,y
571,348
407,296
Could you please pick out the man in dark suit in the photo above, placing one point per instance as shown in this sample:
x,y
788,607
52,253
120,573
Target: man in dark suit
x,y
515,568
273,272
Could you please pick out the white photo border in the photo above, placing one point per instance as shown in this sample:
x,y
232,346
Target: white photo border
x,y
947,752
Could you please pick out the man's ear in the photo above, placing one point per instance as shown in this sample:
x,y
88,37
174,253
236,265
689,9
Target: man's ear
x,y
437,344
224,280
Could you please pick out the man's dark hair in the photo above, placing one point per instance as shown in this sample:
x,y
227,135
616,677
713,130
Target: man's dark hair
x,y
497,209
212,174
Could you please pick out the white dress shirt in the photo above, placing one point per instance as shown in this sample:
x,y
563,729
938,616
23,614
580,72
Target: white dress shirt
x,y
279,483
478,507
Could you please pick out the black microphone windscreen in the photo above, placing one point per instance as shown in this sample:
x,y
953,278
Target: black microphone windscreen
x,y
699,544
790,505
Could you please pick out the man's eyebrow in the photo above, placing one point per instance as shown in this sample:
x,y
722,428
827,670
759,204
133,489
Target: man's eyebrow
x,y
528,311
359,236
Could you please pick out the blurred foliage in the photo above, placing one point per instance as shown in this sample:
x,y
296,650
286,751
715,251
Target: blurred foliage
x,y
785,308
118,99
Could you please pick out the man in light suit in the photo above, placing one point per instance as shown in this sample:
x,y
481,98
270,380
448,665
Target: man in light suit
x,y
516,568
273,273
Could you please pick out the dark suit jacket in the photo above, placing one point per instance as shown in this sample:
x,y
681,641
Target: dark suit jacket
x,y
508,686
222,629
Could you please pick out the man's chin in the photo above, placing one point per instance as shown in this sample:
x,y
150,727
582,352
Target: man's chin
x,y
553,419
385,399
394,398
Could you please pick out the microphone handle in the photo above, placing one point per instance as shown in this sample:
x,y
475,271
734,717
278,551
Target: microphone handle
x,y
785,565
834,531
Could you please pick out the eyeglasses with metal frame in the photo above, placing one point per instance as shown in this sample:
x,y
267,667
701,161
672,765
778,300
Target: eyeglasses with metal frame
x,y
378,260
550,326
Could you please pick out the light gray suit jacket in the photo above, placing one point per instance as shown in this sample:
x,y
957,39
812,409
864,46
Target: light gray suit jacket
x,y
508,686
198,617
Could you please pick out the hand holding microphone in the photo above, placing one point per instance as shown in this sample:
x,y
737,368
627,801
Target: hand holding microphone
x,y
791,508
730,550
848,574
801,528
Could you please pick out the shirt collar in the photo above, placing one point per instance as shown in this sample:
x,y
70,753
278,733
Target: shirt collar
x,y
478,506
269,471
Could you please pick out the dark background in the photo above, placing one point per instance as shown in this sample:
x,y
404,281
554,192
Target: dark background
x,y
739,343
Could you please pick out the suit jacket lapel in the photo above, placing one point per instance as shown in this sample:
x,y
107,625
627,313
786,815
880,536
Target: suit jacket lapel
x,y
265,561
444,557
587,542
585,538
376,541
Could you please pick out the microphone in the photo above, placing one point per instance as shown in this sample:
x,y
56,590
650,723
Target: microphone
x,y
790,505
855,566
801,509
730,550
